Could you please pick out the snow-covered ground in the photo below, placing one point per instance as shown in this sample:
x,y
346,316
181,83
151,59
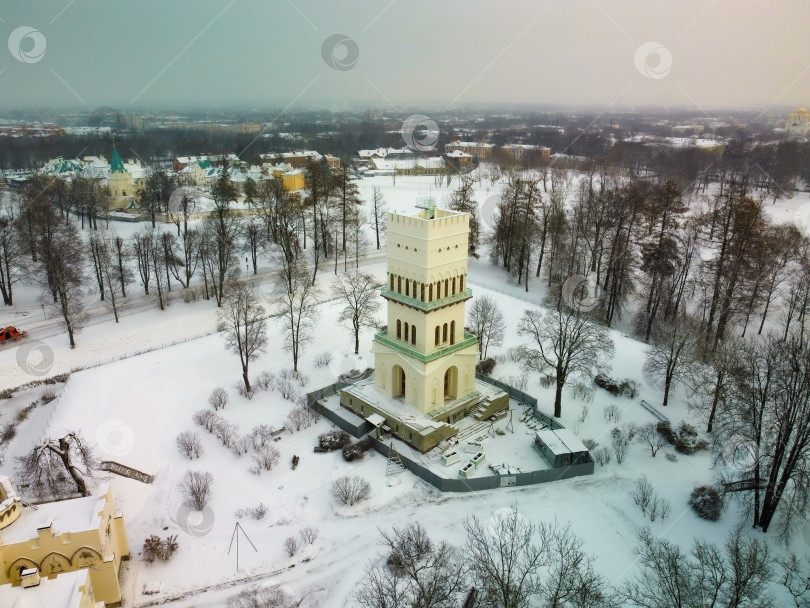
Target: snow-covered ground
x,y
133,409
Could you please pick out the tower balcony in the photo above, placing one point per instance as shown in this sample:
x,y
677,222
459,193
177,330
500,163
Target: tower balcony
x,y
394,296
383,338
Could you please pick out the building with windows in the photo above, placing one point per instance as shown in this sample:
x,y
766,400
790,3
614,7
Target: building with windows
x,y
799,123
480,151
66,536
424,361
68,590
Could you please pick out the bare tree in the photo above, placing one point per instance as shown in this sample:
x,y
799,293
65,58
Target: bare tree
x,y
142,248
243,321
648,435
218,398
11,260
568,345
44,467
378,214
266,457
189,444
417,572
358,292
196,486
262,597
672,352
297,303
350,490
486,323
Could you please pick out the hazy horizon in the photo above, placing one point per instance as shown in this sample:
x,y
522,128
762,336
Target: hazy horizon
x,y
297,54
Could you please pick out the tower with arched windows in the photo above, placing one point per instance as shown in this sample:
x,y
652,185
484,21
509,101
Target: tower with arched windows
x,y
424,357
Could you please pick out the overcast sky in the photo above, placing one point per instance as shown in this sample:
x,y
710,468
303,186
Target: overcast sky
x,y
270,53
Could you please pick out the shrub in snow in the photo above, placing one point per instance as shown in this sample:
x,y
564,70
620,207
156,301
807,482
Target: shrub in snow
x,y
612,413
620,440
260,435
547,380
582,391
334,440
242,445
515,354
685,439
264,381
707,501
261,597
356,450
602,456
266,457
350,490
301,417
218,398
293,375
196,486
629,388
48,396
286,388
485,367
323,359
518,382
648,501
671,457
189,445
259,511
243,391
207,419
226,432
590,444
156,548
308,535
291,545
626,387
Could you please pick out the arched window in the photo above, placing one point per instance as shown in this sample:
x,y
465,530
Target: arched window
x,y
444,333
413,334
461,283
406,332
454,285
407,287
430,292
399,329
399,284
452,332
423,291
391,282
437,335
446,287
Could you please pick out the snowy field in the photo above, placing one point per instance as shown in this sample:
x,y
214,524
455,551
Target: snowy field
x,y
133,409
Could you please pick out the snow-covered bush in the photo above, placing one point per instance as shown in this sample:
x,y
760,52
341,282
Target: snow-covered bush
x,y
485,367
189,444
707,501
648,501
357,450
261,597
196,486
286,388
685,439
612,413
301,417
242,445
291,545
243,391
218,398
156,548
293,375
323,359
602,456
48,396
206,419
226,432
308,535
620,440
518,382
264,381
266,457
626,387
350,490
260,435
334,440
590,444
582,391
259,511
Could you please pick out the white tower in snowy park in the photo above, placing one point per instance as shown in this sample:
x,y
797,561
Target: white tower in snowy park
x,y
424,361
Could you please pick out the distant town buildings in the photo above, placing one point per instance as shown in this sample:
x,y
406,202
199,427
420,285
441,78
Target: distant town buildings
x,y
482,151
526,152
799,123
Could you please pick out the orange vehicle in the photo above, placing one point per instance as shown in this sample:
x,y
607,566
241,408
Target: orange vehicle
x,y
11,334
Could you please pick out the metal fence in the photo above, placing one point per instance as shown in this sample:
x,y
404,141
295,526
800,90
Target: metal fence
x,y
475,484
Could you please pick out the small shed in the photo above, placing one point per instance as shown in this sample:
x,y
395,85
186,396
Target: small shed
x,y
561,447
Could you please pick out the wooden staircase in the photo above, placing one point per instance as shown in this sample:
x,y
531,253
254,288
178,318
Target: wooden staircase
x,y
394,465
125,471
